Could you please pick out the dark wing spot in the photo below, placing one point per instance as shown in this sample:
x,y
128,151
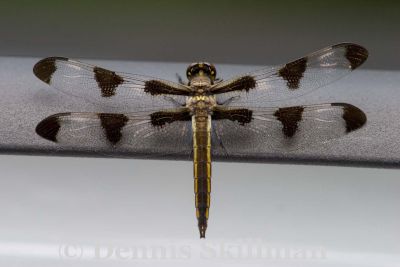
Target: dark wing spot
x,y
160,118
244,83
289,117
45,68
354,117
356,55
112,125
107,80
241,115
293,72
49,127
155,87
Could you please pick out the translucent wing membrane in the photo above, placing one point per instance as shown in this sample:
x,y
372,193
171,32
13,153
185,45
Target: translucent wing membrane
x,y
293,79
241,130
128,92
242,124
159,133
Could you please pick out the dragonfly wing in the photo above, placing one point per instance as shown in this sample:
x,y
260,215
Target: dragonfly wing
x,y
127,92
159,133
265,130
293,79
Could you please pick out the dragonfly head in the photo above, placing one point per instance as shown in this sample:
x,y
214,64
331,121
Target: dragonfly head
x,y
201,70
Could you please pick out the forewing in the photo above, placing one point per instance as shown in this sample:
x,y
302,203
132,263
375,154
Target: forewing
x,y
128,92
292,80
267,130
158,134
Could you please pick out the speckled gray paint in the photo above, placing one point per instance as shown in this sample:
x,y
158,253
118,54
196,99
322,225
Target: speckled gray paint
x,y
25,101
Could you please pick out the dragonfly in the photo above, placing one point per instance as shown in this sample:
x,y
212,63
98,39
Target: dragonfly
x,y
206,115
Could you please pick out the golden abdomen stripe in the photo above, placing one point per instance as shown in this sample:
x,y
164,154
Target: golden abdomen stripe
x,y
202,168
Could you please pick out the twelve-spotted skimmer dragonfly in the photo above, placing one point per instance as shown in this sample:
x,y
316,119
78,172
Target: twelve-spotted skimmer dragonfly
x,y
207,114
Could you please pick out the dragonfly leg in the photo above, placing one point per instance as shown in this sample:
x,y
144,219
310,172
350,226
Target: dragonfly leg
x,y
179,78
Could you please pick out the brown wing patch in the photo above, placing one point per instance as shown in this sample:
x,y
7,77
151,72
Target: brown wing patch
x,y
356,55
354,117
290,118
107,80
241,115
244,83
45,68
155,87
49,127
112,125
161,118
293,72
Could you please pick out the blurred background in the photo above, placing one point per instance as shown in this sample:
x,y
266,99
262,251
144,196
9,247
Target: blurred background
x,y
239,32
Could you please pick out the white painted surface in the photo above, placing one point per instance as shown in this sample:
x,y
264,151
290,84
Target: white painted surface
x,y
108,212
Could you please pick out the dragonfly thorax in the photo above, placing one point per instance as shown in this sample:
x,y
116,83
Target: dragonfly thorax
x,y
201,103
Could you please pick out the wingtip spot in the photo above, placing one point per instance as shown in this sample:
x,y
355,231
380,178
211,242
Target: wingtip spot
x,y
354,53
49,128
45,68
353,116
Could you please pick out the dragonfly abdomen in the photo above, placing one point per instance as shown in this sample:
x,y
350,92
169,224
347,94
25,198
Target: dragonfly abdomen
x,y
202,168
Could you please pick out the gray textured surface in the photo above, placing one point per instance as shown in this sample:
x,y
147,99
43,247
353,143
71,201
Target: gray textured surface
x,y
26,100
